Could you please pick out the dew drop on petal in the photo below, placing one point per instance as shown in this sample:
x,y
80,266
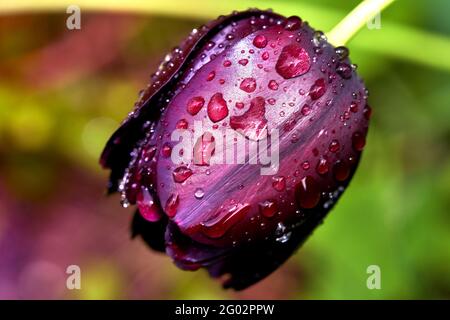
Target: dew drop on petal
x,y
358,141
181,174
293,61
334,146
217,108
248,85
279,183
195,105
317,89
221,222
273,85
268,208
260,41
308,192
341,171
171,206
199,193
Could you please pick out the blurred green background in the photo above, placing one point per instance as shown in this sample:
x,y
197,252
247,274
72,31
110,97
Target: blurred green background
x,y
62,93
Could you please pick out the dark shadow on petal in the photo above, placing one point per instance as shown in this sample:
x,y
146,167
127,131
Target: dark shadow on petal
x,y
151,232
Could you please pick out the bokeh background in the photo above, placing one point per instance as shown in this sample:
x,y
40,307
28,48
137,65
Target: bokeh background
x,y
62,93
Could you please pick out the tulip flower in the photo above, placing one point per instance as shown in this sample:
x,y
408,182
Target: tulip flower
x,y
246,137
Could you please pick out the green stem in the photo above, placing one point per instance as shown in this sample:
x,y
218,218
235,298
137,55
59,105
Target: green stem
x,y
394,40
355,20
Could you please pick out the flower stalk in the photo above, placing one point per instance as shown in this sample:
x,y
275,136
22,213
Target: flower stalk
x,y
355,20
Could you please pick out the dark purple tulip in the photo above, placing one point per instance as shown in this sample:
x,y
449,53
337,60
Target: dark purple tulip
x,y
250,71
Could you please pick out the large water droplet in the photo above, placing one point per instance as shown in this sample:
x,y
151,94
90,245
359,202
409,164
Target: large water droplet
x,y
318,89
181,174
221,222
195,105
172,205
279,183
293,61
217,108
147,207
308,193
268,208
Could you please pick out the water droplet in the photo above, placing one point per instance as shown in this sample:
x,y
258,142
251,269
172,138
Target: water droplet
x,y
322,166
182,124
211,76
271,101
227,63
354,107
293,23
243,62
318,89
273,85
305,165
199,193
358,141
334,146
260,41
341,171
308,193
293,61
166,150
217,108
344,70
248,85
195,105
221,222
341,52
279,183
147,207
210,45
367,112
181,174
268,208
172,205
284,238
306,109
240,105
253,122
265,55
319,38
